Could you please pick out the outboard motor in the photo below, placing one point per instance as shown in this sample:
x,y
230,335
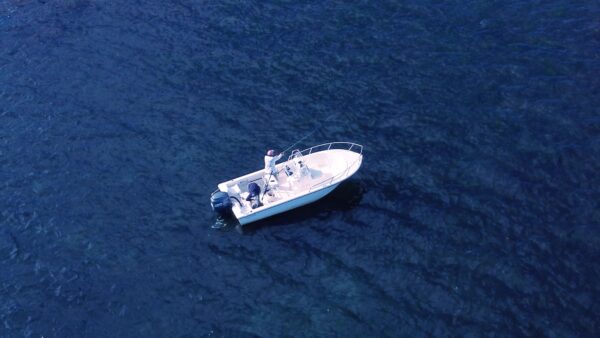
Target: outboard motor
x,y
220,202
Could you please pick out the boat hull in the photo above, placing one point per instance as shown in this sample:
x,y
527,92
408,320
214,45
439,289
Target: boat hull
x,y
291,204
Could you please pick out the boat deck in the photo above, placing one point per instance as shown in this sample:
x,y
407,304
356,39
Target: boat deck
x,y
281,187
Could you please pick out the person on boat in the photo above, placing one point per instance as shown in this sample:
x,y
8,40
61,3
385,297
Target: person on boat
x,y
270,160
253,195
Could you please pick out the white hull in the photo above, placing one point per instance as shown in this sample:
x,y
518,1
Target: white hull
x,y
304,178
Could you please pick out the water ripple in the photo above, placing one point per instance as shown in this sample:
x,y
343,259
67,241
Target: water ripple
x,y
475,212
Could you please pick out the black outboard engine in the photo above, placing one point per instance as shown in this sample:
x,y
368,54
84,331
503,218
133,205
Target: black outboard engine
x,y
220,202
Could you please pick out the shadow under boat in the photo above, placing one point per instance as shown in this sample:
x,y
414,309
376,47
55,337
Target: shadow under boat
x,y
343,198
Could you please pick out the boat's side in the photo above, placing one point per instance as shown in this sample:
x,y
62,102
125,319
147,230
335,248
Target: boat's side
x,y
291,204
322,168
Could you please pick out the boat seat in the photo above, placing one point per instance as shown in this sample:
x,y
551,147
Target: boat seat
x,y
235,189
301,169
288,171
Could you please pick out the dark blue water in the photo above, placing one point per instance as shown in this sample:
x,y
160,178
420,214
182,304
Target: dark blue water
x,y
475,212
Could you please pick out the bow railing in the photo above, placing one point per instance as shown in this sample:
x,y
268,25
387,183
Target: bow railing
x,y
355,147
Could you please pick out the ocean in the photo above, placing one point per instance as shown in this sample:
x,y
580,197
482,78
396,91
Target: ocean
x,y
475,212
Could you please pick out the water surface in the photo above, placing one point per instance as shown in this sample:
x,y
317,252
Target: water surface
x,y
475,212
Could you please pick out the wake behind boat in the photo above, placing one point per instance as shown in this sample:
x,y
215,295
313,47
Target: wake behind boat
x,y
305,177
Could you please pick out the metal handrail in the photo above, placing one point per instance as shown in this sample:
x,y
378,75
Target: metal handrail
x,y
350,146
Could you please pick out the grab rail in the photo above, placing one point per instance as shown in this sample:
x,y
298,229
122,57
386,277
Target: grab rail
x,y
342,145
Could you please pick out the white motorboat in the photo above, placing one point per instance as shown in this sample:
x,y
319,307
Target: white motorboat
x,y
305,177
